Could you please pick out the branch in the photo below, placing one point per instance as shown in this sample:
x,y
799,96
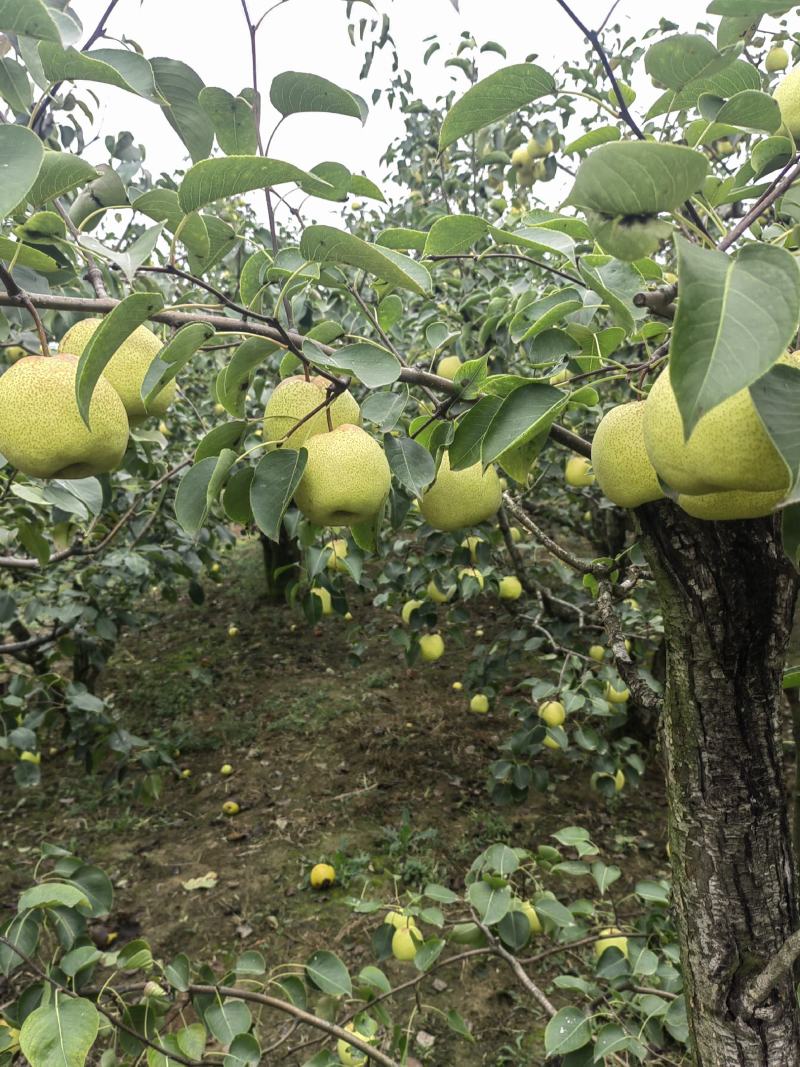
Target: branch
x,y
93,273
306,1017
478,258
784,181
276,333
776,969
645,697
516,967
659,301
19,298
513,552
583,566
33,642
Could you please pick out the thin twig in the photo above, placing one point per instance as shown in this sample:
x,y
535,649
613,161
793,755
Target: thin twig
x,y
20,298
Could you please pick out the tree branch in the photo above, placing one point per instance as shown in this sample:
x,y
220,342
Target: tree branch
x,y
659,301
583,566
645,697
19,298
784,181
760,987
33,642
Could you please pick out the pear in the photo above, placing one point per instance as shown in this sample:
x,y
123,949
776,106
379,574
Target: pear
x,y
293,398
619,458
552,713
577,472
539,149
41,431
409,608
337,554
346,480
471,544
728,448
479,703
777,59
612,938
510,587
447,367
615,696
520,157
324,598
431,647
597,653
461,498
734,504
787,94
619,780
127,368
437,595
532,916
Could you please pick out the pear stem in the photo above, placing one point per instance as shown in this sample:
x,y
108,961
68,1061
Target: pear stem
x,y
20,298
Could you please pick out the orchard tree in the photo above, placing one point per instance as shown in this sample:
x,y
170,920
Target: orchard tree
x,y
641,316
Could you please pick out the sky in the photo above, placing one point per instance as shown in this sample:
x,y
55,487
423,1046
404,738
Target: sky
x,y
311,35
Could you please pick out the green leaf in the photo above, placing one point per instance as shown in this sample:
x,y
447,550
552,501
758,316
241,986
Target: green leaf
x,y
732,79
15,88
23,256
749,8
173,357
735,318
360,185
60,172
137,253
327,972
411,464
598,136
775,396
370,363
494,98
680,59
384,409
567,1031
325,244
178,973
454,233
22,931
501,859
401,239
51,895
276,477
604,875
491,904
233,121
112,66
227,435
748,110
180,86
60,1034
522,415
245,1051
110,334
514,930
465,450
162,205
293,93
214,179
227,1020
611,1039
28,18
637,178
199,488
537,238
93,881
236,376
21,156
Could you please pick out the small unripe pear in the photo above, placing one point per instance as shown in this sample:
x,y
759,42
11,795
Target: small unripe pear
x,y
510,587
552,713
447,367
577,472
479,703
777,59
461,498
431,647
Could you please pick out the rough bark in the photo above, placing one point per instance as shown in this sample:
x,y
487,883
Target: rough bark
x,y
728,595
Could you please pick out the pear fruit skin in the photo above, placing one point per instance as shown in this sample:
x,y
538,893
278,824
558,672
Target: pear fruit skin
x,y
127,368
612,938
787,95
346,480
447,367
552,713
41,431
293,398
510,587
777,59
728,448
461,498
734,504
619,458
431,647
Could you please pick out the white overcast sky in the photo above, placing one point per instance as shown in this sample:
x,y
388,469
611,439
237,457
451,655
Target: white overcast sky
x,y
311,35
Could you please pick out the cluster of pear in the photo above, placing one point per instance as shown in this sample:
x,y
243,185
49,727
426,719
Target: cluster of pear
x,y
528,159
727,469
347,475
42,433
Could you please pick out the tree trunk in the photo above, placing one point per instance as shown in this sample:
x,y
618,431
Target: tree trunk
x,y
280,563
727,594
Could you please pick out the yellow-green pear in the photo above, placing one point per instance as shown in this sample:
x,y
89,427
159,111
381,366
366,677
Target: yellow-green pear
x,y
409,608
41,431
404,944
127,368
733,504
461,498
324,599
520,157
337,554
510,587
346,479
472,572
349,1055
431,647
447,367
293,398
619,780
552,713
516,535
539,149
787,94
471,544
597,653
577,472
777,59
619,457
616,696
437,595
479,703
728,448
612,938
532,916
